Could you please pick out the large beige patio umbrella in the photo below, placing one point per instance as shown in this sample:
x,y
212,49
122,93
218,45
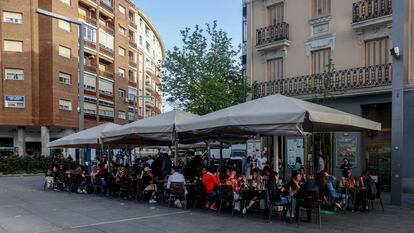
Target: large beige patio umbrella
x,y
271,116
88,138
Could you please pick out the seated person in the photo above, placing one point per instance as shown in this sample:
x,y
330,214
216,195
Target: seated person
x,y
149,184
256,183
85,183
292,189
363,191
236,184
340,199
175,176
211,181
302,175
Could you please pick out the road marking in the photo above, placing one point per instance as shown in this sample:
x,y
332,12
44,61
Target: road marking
x,y
128,219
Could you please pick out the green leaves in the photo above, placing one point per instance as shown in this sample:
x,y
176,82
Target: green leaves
x,y
204,75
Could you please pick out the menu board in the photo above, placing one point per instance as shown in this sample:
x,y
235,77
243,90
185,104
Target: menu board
x,y
294,148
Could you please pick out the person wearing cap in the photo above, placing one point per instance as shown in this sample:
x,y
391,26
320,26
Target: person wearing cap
x,y
148,182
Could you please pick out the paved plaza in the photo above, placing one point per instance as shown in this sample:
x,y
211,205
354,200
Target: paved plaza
x,y
25,207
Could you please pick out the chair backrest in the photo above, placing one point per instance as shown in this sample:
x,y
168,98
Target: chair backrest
x,y
227,192
308,199
177,188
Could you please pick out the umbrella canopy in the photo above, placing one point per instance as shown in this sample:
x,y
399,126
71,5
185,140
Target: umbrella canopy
x,y
88,138
271,116
158,130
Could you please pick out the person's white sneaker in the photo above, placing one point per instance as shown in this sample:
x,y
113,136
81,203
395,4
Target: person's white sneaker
x,y
152,201
244,211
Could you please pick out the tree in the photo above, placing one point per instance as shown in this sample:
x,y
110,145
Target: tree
x,y
204,75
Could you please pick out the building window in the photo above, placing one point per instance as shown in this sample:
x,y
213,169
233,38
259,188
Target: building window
x,y
275,69
121,72
89,82
90,34
106,40
107,2
377,51
106,87
121,51
64,25
64,78
121,93
14,74
14,101
13,46
320,59
12,17
132,93
89,108
121,9
122,31
67,2
65,105
275,14
321,8
121,114
140,40
106,111
64,51
148,46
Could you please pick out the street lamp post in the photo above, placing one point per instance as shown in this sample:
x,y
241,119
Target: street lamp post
x,y
398,81
80,63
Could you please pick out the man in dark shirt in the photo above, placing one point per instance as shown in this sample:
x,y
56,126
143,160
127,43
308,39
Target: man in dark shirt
x,y
345,167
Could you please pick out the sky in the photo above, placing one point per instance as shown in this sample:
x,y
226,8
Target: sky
x,y
171,16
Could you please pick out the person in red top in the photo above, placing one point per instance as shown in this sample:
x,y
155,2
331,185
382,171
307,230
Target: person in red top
x,y
210,181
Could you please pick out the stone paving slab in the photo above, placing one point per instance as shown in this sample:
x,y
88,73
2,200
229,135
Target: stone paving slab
x,y
25,208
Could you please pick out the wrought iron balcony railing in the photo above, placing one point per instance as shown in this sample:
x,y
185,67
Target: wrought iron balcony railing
x,y
331,83
272,33
370,9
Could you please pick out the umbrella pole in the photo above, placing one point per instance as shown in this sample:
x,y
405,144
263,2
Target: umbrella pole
x,y
175,151
221,154
276,153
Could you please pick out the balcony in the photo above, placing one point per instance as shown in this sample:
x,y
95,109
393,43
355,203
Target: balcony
x,y
149,103
107,5
105,50
132,23
133,44
272,37
148,86
108,73
89,44
88,19
133,63
337,83
107,28
90,67
371,13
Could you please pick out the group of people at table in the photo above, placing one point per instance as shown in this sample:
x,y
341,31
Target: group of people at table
x,y
257,183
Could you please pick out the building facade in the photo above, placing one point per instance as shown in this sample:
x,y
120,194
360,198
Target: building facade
x,y
337,53
39,69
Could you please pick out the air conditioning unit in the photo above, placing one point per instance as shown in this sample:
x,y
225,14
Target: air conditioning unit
x,y
126,100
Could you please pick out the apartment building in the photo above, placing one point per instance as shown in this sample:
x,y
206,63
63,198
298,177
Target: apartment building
x,y
39,69
334,52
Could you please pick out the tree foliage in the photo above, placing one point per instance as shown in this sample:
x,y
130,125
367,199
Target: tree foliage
x,y
204,75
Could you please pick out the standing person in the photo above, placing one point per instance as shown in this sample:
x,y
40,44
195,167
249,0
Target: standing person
x,y
298,164
321,163
345,167
261,163
249,167
166,166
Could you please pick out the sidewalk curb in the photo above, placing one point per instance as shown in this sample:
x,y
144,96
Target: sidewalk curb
x,y
21,175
